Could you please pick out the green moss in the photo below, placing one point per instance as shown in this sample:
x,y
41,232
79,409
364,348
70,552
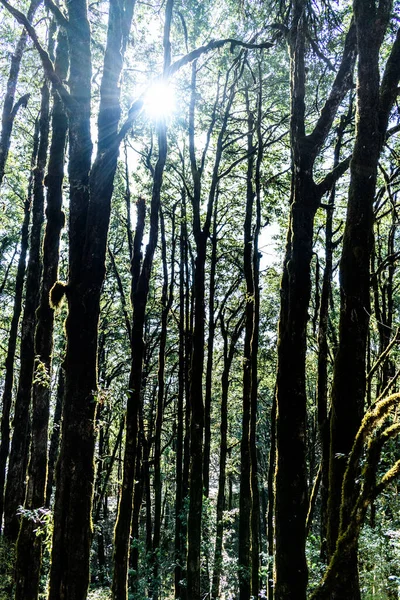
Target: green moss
x,y
57,293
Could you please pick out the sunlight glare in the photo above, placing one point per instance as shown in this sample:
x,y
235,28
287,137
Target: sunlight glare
x,y
159,100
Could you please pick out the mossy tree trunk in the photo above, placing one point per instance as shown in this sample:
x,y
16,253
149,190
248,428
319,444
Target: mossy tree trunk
x,y
374,103
90,198
10,107
291,501
323,350
11,349
29,546
18,461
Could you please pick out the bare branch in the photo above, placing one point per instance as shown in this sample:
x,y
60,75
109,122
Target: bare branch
x,y
214,45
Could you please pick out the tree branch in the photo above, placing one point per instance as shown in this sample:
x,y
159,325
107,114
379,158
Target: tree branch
x,y
326,184
213,45
137,106
389,86
341,85
60,18
45,58
383,356
23,101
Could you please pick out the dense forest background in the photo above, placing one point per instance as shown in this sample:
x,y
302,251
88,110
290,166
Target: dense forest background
x,y
199,282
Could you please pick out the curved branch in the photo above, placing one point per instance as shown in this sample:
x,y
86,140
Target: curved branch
x,y
23,101
60,18
213,45
47,64
137,106
326,184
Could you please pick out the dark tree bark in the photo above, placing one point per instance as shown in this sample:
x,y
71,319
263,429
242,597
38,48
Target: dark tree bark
x,y
10,107
210,354
69,574
139,301
374,103
245,501
29,545
196,372
166,302
322,381
90,199
130,464
255,493
271,503
228,353
55,436
11,348
18,461
201,234
180,427
291,501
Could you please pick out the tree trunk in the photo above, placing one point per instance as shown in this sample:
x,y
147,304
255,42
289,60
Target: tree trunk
x,y
322,381
349,381
271,503
166,302
291,501
29,546
179,486
201,234
139,301
90,199
245,501
18,462
229,351
55,436
10,108
11,348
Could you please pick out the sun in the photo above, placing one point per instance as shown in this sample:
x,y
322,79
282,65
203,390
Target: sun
x,y
159,100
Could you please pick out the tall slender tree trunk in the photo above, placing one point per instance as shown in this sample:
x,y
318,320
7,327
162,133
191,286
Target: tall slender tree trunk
x,y
29,546
255,490
322,382
201,233
374,103
210,354
166,301
139,301
291,501
90,199
271,503
180,428
10,107
9,113
18,462
11,349
229,351
245,501
55,436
